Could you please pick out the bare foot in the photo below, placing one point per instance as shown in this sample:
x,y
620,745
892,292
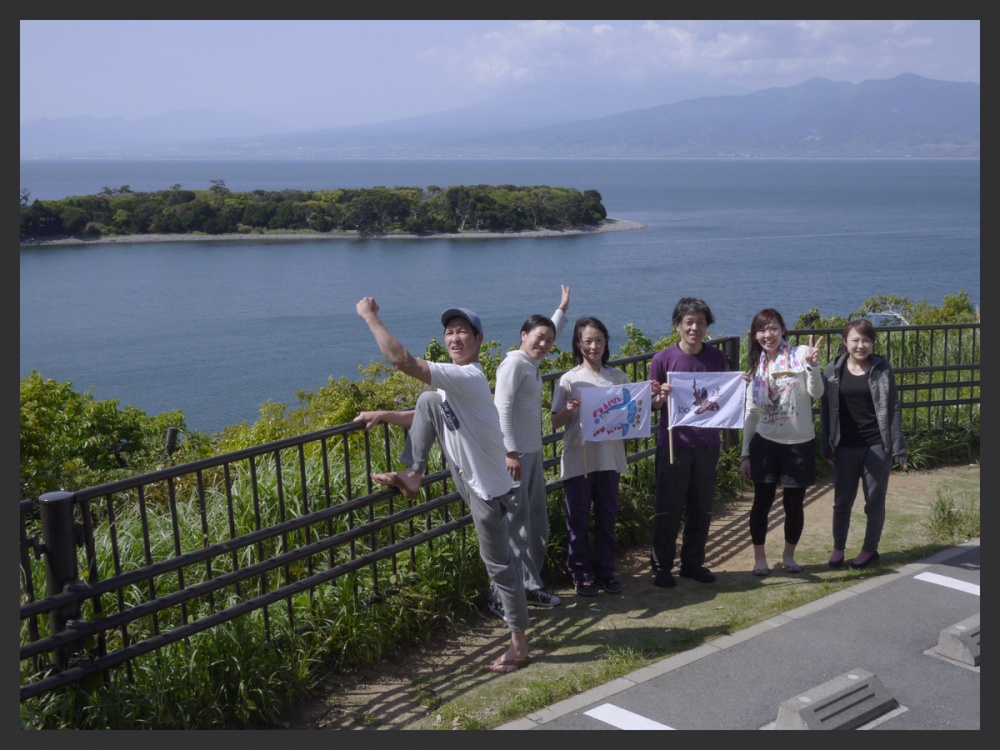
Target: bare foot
x,y
510,661
406,482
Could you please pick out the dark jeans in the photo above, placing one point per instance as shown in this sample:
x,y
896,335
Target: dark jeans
x,y
685,490
599,489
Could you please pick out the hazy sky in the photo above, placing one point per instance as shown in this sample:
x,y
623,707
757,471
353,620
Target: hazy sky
x,y
311,74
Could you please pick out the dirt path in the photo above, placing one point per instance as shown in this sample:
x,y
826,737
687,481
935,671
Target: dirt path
x,y
404,691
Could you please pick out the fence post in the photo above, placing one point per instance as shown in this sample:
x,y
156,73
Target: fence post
x,y
61,570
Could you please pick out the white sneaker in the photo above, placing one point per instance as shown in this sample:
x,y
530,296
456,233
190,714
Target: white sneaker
x,y
540,598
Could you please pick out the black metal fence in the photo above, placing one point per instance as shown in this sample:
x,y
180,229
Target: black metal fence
x,y
936,368
110,573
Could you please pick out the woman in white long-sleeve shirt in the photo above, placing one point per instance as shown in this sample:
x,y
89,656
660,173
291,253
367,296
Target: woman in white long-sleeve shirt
x,y
518,398
778,432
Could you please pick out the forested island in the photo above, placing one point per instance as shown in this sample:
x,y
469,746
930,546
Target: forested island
x,y
457,209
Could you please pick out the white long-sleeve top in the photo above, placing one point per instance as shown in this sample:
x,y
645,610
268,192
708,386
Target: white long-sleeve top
x,y
788,418
518,397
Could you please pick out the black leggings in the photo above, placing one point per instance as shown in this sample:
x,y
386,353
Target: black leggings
x,y
792,498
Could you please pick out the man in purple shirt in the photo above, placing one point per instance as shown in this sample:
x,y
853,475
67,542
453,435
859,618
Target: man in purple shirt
x,y
685,488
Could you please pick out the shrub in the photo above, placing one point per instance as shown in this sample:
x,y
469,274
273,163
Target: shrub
x,y
949,523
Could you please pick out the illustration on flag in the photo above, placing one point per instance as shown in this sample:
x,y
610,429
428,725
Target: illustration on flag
x,y
615,412
706,399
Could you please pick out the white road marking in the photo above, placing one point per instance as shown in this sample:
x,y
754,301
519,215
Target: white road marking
x,y
622,719
952,583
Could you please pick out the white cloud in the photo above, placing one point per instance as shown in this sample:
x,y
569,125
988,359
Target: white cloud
x,y
761,53
909,43
346,72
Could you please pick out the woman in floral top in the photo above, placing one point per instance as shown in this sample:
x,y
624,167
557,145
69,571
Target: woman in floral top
x,y
778,433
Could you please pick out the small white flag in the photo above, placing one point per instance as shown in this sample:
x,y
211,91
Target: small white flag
x,y
706,399
616,412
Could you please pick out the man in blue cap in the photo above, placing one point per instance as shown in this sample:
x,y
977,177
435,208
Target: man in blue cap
x,y
462,415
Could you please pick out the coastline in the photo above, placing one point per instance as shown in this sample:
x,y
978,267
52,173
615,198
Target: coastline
x,y
608,225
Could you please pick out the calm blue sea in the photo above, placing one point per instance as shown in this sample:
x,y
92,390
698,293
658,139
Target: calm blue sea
x,y
216,329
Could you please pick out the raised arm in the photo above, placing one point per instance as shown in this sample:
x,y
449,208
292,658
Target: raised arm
x,y
564,301
389,345
559,316
814,375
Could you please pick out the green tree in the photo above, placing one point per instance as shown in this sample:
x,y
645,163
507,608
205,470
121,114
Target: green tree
x,y
177,197
69,440
74,219
637,342
893,309
377,210
593,207
39,220
121,220
955,308
460,205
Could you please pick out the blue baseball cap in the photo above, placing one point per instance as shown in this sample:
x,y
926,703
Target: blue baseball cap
x,y
462,312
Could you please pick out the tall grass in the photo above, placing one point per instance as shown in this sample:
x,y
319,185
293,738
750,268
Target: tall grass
x,y
235,674
950,522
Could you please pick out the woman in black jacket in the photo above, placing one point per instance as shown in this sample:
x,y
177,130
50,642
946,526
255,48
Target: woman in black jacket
x,y
861,434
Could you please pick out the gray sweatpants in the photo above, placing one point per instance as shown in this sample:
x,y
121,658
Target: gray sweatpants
x,y
529,520
871,466
488,516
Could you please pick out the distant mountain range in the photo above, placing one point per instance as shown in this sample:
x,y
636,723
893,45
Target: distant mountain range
x,y
908,115
87,136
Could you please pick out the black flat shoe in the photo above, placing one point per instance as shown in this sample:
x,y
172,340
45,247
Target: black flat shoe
x,y
611,585
701,574
664,579
864,560
586,588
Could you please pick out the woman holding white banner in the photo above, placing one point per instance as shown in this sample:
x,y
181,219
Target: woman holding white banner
x,y
778,433
590,470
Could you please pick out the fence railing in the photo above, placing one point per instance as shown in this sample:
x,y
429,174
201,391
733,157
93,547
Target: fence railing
x,y
936,368
113,572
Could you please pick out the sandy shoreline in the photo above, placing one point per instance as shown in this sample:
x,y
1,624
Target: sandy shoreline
x,y
609,225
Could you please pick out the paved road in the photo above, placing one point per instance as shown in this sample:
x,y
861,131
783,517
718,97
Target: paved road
x,y
888,626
